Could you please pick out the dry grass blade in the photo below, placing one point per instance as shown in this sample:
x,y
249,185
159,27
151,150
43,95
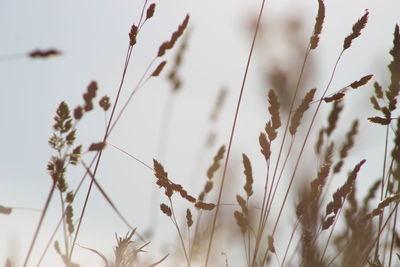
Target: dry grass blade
x,y
363,81
96,252
301,109
357,27
319,21
248,187
160,261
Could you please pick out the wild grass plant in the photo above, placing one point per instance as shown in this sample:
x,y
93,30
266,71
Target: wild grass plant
x,y
326,226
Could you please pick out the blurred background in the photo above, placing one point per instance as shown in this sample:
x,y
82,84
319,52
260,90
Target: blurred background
x,y
93,38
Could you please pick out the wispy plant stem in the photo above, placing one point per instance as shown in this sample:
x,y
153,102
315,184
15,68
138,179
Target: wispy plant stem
x,y
233,132
305,142
45,208
382,190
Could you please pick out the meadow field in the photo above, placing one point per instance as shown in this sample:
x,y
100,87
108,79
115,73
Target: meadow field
x,y
200,133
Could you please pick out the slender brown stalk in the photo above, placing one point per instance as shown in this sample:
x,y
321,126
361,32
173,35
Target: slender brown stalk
x,y
305,142
45,208
382,189
128,56
233,132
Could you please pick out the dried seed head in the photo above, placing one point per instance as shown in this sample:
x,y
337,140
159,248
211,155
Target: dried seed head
x,y
204,206
150,11
165,209
301,109
363,81
189,219
328,222
273,108
216,163
265,146
78,113
240,221
44,53
379,120
105,103
248,172
335,97
319,21
333,117
97,146
159,68
357,27
243,204
132,35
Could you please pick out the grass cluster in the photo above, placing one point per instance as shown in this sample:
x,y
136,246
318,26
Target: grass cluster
x,y
329,229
